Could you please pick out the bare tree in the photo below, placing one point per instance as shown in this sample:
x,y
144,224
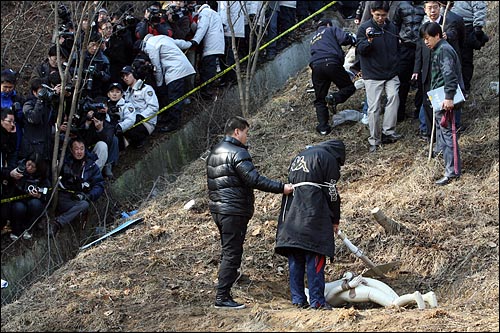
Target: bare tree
x,y
257,28
80,11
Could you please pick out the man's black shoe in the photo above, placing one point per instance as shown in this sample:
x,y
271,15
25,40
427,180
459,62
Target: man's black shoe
x,y
228,303
169,128
423,136
445,180
325,306
391,138
330,99
324,130
303,305
331,102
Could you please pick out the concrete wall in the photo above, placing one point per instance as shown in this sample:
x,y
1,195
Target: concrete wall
x,y
187,144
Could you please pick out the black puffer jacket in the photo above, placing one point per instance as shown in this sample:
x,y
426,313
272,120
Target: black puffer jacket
x,y
231,178
408,18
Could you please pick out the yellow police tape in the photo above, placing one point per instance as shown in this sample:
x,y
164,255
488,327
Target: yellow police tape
x,y
218,75
210,80
24,196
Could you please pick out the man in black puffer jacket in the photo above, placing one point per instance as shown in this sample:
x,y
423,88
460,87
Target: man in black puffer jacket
x,y
231,177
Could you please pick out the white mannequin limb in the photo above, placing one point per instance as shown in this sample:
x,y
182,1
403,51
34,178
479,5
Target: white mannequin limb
x,y
360,289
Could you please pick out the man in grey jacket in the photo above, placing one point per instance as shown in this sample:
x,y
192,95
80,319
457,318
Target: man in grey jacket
x,y
172,69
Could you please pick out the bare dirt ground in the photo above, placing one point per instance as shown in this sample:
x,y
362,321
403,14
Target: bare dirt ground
x,y
160,275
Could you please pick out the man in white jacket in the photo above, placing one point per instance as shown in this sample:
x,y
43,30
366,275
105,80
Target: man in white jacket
x,y
172,70
211,32
236,18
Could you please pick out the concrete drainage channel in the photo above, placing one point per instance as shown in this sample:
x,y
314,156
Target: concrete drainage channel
x,y
33,261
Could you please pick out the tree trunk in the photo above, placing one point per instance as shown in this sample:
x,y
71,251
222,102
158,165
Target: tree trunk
x,y
390,226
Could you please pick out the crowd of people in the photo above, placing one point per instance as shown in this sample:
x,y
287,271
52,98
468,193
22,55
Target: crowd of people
x,y
132,69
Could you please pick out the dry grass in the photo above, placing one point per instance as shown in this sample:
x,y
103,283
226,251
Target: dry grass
x,y
160,275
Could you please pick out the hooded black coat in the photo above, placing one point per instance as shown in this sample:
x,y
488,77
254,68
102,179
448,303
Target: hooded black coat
x,y
307,217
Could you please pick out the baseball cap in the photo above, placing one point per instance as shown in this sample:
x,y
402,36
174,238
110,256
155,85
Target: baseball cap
x,y
127,70
8,75
115,85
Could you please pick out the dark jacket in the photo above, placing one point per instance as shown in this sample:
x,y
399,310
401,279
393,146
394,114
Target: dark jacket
x,y
379,59
38,122
91,136
446,69
408,19
100,76
307,217
455,33
9,161
82,176
231,178
327,42
145,27
14,98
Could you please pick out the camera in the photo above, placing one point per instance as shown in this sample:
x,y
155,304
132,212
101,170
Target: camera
x,y
89,72
88,106
67,34
21,167
100,115
143,68
154,15
35,189
130,20
46,93
176,12
373,34
64,14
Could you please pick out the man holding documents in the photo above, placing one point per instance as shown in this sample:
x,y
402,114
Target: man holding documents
x,y
445,72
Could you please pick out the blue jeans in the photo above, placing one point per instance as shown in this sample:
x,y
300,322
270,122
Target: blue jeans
x,y
302,262
113,151
24,213
421,118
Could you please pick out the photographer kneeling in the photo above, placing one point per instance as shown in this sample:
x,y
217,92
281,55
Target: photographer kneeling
x,y
81,182
33,191
99,134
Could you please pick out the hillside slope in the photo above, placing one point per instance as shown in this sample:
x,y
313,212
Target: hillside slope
x,y
161,274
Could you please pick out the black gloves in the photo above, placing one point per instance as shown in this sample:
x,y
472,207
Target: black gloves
x,y
99,75
118,130
352,38
194,43
478,31
138,118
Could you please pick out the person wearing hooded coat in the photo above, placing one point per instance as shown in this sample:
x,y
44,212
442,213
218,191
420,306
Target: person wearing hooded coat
x,y
309,219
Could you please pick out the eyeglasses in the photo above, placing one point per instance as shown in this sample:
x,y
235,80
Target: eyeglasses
x,y
9,121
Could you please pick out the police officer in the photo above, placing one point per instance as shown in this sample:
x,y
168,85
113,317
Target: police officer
x,y
327,64
143,98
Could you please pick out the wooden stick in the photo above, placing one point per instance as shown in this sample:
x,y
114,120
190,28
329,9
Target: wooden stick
x,y
390,226
433,116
